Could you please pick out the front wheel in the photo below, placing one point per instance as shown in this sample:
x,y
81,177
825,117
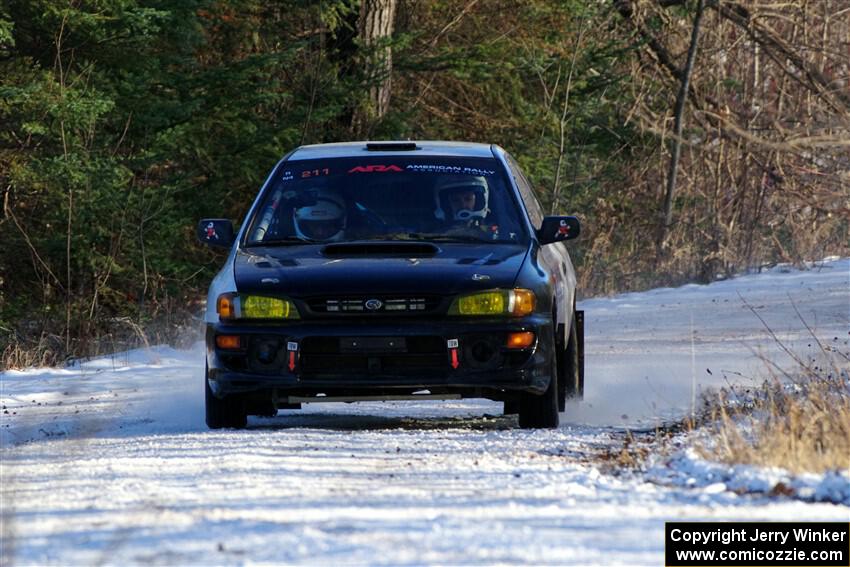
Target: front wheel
x,y
229,411
541,411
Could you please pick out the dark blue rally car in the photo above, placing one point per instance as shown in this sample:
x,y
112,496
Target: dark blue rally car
x,y
392,271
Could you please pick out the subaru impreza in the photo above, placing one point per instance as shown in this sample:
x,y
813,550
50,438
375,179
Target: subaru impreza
x,y
393,271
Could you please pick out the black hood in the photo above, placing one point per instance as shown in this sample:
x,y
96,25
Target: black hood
x,y
379,268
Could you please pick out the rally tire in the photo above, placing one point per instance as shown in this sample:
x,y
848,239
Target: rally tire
x,y
226,412
540,411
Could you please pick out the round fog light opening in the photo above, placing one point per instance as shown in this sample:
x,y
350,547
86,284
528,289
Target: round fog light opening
x,y
267,354
482,352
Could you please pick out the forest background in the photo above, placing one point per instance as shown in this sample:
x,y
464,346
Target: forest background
x,y
693,138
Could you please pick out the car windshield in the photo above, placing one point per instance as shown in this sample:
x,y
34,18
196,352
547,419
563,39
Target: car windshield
x,y
387,198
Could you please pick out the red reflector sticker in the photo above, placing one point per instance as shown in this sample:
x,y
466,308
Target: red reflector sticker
x,y
292,347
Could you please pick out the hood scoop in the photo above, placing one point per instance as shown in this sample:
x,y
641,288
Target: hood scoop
x,y
359,249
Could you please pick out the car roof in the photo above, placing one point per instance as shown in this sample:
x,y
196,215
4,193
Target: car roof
x,y
423,148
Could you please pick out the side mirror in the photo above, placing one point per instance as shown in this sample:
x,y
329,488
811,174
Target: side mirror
x,y
557,229
215,232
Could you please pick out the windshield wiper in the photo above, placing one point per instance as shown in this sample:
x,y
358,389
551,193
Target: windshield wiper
x,y
393,236
441,237
425,237
283,241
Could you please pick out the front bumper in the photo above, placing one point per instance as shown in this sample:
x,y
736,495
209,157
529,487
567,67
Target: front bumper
x,y
357,357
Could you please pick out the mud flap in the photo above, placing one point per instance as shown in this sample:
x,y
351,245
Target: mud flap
x,y
580,345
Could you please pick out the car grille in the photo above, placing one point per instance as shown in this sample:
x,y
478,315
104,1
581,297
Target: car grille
x,y
373,305
412,355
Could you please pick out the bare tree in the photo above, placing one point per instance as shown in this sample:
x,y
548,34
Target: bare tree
x,y
676,143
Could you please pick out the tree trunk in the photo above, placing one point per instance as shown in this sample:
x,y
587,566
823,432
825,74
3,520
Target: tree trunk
x,y
676,150
374,27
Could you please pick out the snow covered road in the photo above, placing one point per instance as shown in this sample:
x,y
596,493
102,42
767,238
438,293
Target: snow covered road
x,y
109,462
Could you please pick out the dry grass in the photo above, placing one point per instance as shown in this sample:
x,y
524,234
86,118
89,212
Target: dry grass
x,y
632,454
797,421
19,350
800,423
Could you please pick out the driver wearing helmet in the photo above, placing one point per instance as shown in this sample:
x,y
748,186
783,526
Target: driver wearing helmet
x,y
323,220
462,199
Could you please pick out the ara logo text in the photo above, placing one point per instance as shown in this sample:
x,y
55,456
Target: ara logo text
x,y
374,168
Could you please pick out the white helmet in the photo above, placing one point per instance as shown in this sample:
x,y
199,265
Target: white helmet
x,y
461,198
323,220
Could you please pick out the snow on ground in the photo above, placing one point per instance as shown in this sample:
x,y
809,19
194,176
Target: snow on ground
x,y
109,462
650,354
687,468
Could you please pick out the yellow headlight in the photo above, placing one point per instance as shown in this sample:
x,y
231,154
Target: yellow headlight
x,y
231,306
515,302
257,307
487,303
